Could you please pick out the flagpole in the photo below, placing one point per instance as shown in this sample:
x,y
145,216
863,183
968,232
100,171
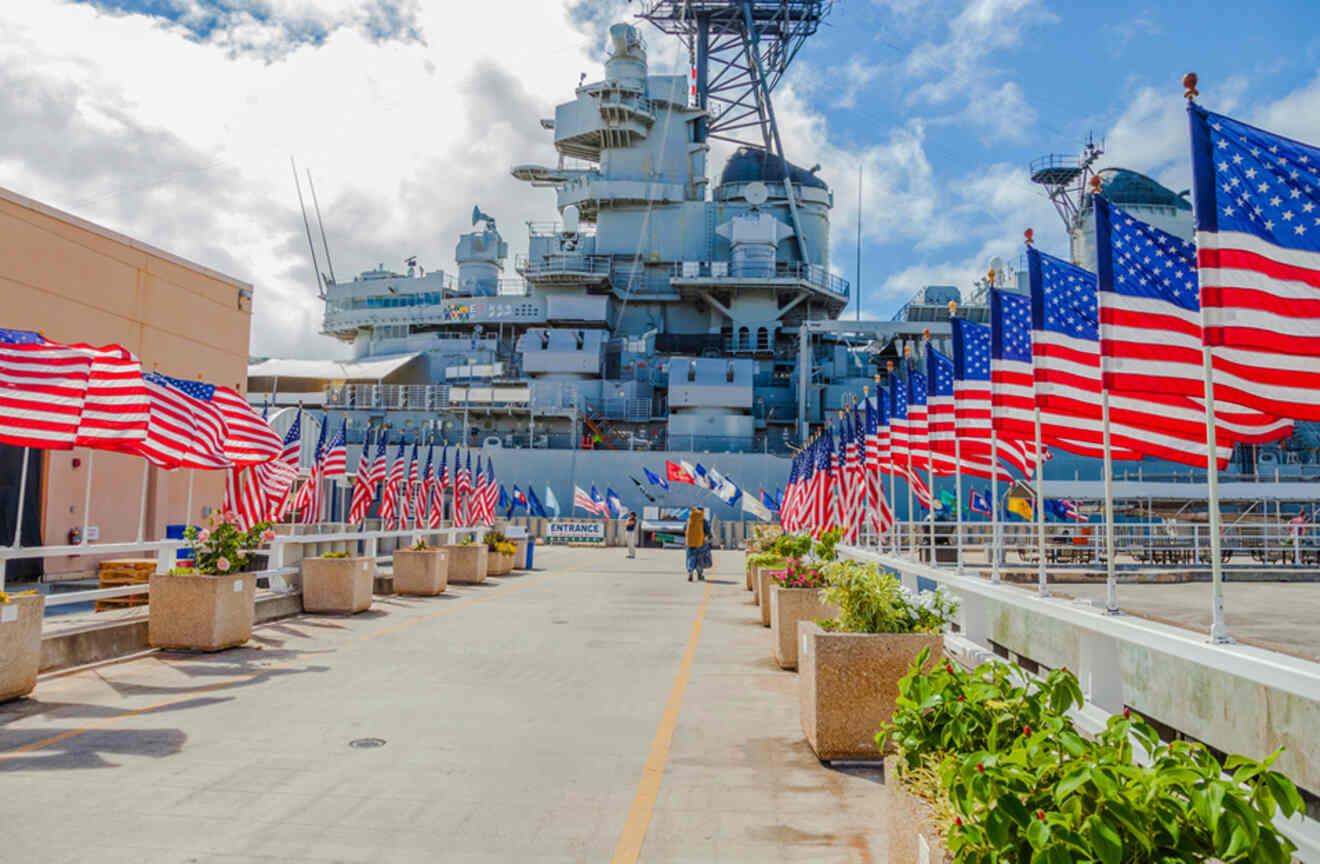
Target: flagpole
x,y
994,492
1042,576
957,481
1111,564
1218,627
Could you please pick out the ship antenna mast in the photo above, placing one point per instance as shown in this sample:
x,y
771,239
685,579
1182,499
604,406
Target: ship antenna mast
x,y
317,205
316,268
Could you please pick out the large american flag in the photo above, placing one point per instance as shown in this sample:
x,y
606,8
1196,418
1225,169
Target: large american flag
x,y
108,400
942,420
788,512
492,491
291,448
898,424
582,499
1013,395
308,504
1065,347
1257,207
187,427
1150,322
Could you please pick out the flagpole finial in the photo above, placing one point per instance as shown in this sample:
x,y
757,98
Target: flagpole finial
x,y
907,350
953,304
889,366
925,335
1095,184
1189,86
1029,235
866,391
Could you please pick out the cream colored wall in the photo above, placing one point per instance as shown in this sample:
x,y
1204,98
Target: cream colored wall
x,y
76,282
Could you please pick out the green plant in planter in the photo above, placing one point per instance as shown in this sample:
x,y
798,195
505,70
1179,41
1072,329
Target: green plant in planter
x,y
870,601
335,555
791,546
494,537
419,546
824,547
771,560
763,536
1012,780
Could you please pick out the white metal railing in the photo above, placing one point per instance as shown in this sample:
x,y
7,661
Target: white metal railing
x,y
1235,698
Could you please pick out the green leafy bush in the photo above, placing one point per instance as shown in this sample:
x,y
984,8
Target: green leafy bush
x,y
1017,782
768,559
222,547
419,546
792,546
824,548
870,601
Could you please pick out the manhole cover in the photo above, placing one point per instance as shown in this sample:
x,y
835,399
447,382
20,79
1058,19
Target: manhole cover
x,y
366,743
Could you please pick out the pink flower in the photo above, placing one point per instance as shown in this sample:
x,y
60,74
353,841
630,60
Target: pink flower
x,y
222,564
228,517
268,535
204,535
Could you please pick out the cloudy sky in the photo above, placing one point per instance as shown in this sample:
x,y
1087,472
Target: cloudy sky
x,y
174,121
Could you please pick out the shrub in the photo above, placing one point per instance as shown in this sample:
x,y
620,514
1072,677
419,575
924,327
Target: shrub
x,y
505,548
763,537
824,547
419,546
873,602
494,537
222,547
800,574
1014,780
768,559
792,546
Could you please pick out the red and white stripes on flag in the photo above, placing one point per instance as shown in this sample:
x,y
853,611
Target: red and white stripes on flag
x,y
583,500
363,488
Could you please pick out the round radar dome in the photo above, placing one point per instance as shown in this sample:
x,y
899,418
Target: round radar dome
x,y
756,194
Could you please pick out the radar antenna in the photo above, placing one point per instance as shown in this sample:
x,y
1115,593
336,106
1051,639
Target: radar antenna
x,y
1065,179
478,216
742,49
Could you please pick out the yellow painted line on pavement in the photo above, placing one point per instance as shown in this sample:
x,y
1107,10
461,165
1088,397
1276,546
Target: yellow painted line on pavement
x,y
648,789
241,679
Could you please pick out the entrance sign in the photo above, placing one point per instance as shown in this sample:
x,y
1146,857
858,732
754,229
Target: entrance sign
x,y
574,531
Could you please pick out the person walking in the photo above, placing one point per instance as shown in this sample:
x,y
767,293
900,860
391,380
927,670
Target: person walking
x,y
630,527
697,539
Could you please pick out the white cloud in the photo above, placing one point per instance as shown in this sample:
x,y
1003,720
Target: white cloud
x,y
184,143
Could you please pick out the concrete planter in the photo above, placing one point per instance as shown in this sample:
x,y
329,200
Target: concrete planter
x,y
498,564
520,556
848,686
200,613
912,833
468,563
20,644
751,574
765,580
423,572
337,585
788,606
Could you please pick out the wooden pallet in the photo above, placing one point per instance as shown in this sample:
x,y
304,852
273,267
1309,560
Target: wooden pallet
x,y
118,572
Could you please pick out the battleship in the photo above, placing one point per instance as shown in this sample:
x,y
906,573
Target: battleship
x,y
664,316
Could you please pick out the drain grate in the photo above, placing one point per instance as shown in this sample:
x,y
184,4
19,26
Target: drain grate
x,y
366,743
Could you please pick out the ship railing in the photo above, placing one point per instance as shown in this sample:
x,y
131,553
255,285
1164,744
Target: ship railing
x,y
813,274
1227,696
563,264
555,229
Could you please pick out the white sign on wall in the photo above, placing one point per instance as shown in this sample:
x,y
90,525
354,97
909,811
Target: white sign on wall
x,y
573,531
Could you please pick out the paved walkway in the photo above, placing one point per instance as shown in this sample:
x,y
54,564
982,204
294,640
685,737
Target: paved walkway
x,y
595,710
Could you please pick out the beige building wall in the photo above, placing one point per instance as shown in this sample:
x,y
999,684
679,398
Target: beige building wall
x,y
74,281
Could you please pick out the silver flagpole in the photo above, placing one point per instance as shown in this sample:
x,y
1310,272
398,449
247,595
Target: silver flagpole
x,y
1111,564
1040,512
957,480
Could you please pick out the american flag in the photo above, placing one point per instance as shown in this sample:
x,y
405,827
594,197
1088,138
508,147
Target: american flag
x,y
1257,206
972,402
898,425
363,487
878,512
942,415
823,482
335,461
249,440
407,490
480,500
790,494
1013,394
880,404
582,499
851,481
43,386
308,504
291,449
379,468
258,493
436,515
117,408
422,493
1150,323
464,485
918,422
1065,340
187,428
390,504
446,480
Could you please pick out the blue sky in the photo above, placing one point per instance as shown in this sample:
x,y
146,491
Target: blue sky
x,y
174,120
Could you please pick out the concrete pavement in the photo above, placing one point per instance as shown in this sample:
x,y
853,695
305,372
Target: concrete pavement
x,y
525,719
